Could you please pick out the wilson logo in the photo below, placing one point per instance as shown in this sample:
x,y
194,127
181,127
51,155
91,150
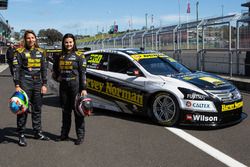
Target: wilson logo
x,y
203,118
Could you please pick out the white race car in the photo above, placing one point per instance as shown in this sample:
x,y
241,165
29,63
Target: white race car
x,y
151,83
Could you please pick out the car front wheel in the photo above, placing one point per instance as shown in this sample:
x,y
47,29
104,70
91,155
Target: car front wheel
x,y
165,109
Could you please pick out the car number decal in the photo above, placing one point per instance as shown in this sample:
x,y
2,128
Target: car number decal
x,y
95,58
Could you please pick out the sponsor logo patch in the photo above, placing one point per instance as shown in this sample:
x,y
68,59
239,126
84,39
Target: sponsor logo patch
x,y
138,57
188,104
229,107
196,96
201,118
115,91
200,105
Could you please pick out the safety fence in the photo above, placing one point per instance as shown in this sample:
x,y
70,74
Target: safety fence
x,y
218,44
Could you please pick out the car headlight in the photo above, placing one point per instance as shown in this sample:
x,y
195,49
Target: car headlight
x,y
225,95
193,95
236,94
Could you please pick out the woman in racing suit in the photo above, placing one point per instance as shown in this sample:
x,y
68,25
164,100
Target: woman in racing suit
x,y
30,74
69,69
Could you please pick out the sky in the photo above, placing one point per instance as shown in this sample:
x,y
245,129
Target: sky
x,y
87,17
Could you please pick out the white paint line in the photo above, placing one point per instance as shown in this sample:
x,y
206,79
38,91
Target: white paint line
x,y
206,148
3,67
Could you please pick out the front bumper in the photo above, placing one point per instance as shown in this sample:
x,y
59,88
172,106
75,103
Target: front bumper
x,y
211,119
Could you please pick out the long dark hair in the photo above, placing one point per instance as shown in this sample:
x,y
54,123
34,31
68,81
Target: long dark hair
x,y
64,50
24,38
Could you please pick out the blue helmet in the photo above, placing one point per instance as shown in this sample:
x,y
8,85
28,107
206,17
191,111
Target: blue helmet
x,y
19,102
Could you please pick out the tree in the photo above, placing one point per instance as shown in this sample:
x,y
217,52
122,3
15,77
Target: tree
x,y
17,36
50,36
42,33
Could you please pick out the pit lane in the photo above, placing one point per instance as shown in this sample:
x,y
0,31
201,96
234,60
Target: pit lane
x,y
115,139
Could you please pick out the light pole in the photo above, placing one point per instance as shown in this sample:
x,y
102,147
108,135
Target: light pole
x,y
151,27
146,19
179,12
178,32
197,10
222,10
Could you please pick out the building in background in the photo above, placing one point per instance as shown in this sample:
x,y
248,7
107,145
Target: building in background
x,y
5,29
247,4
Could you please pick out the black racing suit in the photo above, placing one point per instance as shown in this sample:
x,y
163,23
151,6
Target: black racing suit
x,y
10,56
70,70
30,72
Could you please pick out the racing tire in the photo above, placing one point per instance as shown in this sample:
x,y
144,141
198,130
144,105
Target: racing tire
x,y
165,110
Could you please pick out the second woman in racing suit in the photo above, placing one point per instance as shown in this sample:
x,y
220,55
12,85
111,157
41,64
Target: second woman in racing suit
x,y
69,69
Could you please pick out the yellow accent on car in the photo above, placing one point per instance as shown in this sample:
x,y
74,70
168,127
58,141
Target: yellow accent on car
x,y
211,80
95,58
138,57
110,89
229,107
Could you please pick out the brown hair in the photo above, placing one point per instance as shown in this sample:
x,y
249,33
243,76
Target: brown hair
x,y
24,38
68,35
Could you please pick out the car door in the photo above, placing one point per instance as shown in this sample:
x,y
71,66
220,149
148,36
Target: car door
x,y
127,90
108,81
97,65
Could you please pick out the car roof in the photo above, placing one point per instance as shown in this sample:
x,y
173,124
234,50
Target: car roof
x,y
129,51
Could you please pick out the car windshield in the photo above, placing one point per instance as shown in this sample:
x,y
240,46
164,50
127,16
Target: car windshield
x,y
163,66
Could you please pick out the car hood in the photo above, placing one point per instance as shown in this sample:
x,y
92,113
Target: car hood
x,y
205,81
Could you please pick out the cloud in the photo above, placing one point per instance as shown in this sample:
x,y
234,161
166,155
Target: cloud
x,y
21,1
134,20
56,1
175,18
80,26
72,26
91,27
172,18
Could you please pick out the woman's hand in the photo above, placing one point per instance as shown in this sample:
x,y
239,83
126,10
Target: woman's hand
x,y
44,89
84,93
18,88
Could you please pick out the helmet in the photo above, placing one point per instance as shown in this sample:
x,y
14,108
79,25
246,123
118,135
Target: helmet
x,y
83,105
19,102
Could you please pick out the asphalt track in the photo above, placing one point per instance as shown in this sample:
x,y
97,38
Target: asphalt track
x,y
120,140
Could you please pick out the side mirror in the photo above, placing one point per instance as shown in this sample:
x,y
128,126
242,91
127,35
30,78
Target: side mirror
x,y
130,73
133,72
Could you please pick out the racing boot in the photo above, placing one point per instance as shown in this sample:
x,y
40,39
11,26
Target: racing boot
x,y
22,141
40,136
79,141
62,138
